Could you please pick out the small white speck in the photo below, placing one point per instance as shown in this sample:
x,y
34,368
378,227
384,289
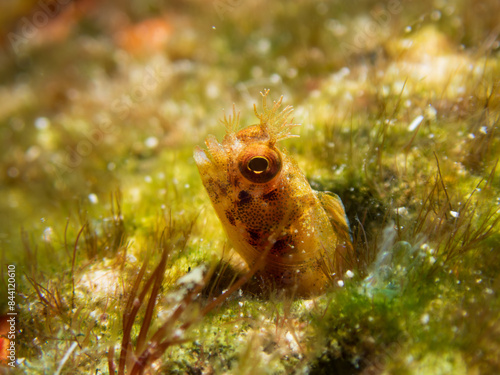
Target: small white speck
x,y
263,45
431,112
151,142
415,123
471,136
424,319
178,333
275,78
483,130
33,153
408,29
47,234
401,211
406,43
148,179
195,276
340,283
349,274
308,304
454,213
42,123
212,90
93,198
187,186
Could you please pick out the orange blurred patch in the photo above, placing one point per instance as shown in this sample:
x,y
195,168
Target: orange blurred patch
x,y
145,37
4,341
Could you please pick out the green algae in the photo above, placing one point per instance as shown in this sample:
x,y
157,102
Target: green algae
x,y
400,119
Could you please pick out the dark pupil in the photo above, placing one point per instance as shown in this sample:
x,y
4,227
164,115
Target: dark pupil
x,y
258,164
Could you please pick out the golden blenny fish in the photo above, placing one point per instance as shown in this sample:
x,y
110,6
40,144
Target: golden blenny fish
x,y
268,208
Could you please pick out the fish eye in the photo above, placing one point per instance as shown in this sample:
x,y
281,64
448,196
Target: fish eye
x,y
259,163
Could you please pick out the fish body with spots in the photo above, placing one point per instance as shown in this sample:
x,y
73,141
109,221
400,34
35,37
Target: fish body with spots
x,y
269,210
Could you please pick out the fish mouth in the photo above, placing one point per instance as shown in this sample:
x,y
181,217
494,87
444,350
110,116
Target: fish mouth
x,y
201,158
206,167
213,156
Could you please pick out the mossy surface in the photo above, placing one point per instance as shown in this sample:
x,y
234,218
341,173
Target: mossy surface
x,y
121,263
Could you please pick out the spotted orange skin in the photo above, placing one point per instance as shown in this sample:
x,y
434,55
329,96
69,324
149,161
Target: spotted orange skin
x,y
303,234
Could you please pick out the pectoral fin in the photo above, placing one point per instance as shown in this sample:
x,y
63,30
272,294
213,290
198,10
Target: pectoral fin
x,y
335,211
